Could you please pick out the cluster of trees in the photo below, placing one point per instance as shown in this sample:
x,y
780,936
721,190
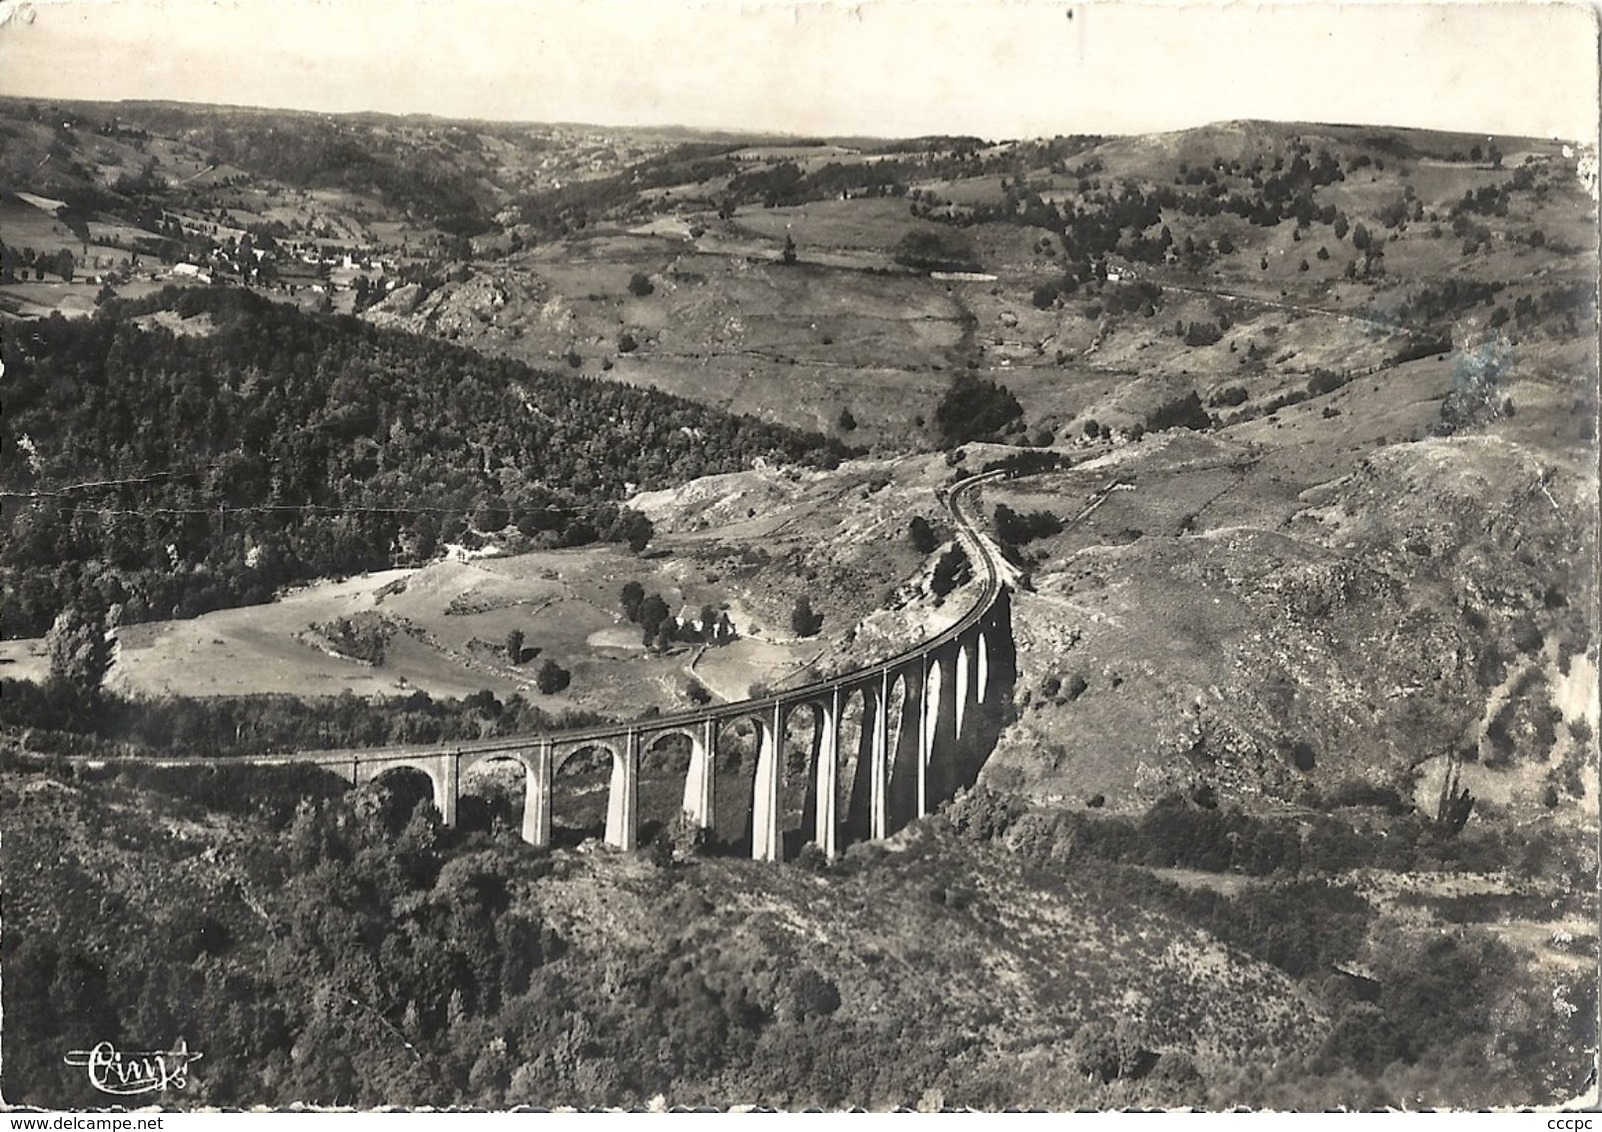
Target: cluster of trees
x,y
923,536
785,183
1127,218
175,474
1398,994
931,249
15,265
347,949
321,152
975,408
550,677
650,613
572,205
79,716
660,627
1016,528
952,569
1181,412
364,636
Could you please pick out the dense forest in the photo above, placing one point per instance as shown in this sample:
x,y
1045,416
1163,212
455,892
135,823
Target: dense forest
x,y
173,473
346,949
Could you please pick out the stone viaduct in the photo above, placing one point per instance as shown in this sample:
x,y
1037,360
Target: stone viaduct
x,y
925,720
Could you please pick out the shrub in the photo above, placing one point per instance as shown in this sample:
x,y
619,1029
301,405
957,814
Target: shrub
x,y
1017,529
974,407
924,539
552,678
804,622
1182,412
950,571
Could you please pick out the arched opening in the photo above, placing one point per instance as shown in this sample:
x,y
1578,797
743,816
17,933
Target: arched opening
x,y
853,780
940,712
664,765
798,803
983,665
493,793
964,683
388,800
580,782
902,747
738,742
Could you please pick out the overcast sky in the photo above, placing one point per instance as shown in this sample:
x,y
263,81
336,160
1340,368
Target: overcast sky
x,y
997,68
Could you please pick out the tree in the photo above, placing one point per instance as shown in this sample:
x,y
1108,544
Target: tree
x,y
632,598
974,407
632,528
1455,803
788,256
803,621
552,677
932,249
924,539
514,646
640,285
80,648
846,421
653,611
1182,412
492,515
951,570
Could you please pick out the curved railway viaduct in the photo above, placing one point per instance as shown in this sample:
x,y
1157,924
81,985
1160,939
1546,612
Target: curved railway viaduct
x,y
926,719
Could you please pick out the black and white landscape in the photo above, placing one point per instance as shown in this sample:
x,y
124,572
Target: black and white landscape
x,y
507,613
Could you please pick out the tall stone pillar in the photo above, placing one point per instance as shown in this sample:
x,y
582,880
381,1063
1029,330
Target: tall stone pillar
x,y
621,829
698,783
537,774
765,841
828,769
446,776
880,784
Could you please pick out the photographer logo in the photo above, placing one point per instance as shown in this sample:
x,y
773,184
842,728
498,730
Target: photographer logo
x,y
126,1073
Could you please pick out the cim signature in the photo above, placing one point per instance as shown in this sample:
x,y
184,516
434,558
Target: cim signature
x,y
128,1073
